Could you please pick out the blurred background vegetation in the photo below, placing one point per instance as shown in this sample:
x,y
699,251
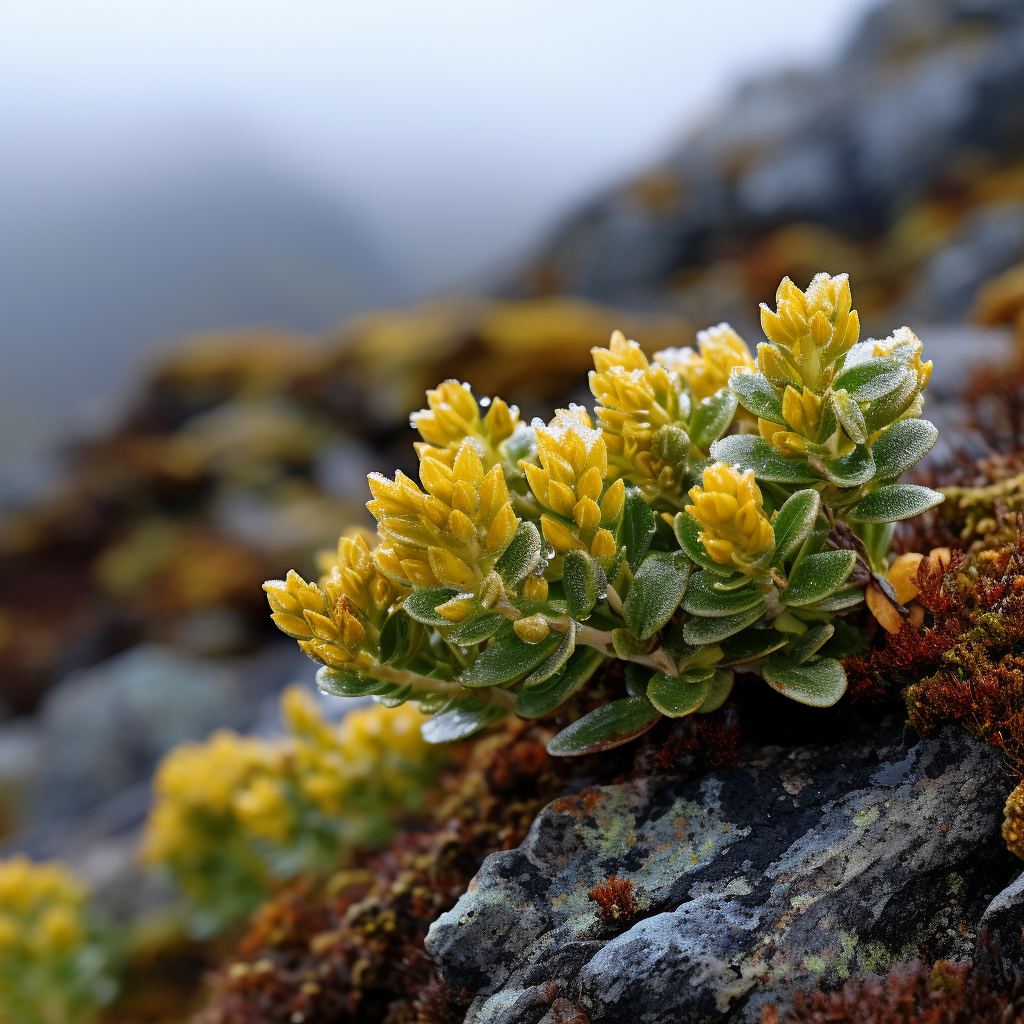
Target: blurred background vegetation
x,y
238,243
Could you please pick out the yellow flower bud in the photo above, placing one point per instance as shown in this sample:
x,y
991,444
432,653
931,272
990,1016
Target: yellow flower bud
x,y
535,589
532,629
721,351
730,509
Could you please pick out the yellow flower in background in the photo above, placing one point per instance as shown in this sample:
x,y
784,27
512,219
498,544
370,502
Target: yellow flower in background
x,y
228,812
706,372
636,399
730,509
452,415
452,533
810,330
53,960
569,481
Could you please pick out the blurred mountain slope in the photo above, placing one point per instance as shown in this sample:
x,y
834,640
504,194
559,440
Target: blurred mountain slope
x,y
95,281
903,164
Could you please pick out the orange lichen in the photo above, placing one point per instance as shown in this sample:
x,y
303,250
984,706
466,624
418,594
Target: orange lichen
x,y
616,903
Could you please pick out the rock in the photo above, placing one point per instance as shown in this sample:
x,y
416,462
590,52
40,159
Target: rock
x,y
666,899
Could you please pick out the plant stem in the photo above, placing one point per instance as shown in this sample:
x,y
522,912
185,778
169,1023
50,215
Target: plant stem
x,y
425,684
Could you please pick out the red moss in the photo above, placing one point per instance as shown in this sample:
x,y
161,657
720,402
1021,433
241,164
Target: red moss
x,y
615,901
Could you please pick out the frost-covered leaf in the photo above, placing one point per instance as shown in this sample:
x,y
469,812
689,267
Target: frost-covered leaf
x,y
721,687
584,583
758,395
655,592
711,417
606,727
810,643
819,682
892,503
891,406
676,696
520,557
420,604
871,379
475,631
462,719
817,576
851,470
902,445
794,521
699,630
338,683
840,601
849,415
636,528
556,659
753,643
400,636
750,452
542,699
507,658
704,598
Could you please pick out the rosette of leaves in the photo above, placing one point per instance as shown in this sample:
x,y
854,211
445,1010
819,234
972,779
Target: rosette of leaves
x,y
534,555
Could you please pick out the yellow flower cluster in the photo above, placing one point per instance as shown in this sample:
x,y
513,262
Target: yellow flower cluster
x,y
331,620
41,907
729,507
450,535
636,399
809,330
705,373
53,960
221,805
569,481
452,415
909,345
802,411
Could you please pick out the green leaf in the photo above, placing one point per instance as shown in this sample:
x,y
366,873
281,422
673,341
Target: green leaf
x,y
655,593
758,395
871,379
750,452
853,469
902,445
556,659
420,604
400,636
338,683
520,557
541,700
507,658
584,581
704,598
606,727
721,687
681,695
891,406
794,521
460,721
752,644
819,682
699,631
847,641
893,503
636,528
840,601
687,531
810,643
475,631
711,417
395,699
817,576
849,415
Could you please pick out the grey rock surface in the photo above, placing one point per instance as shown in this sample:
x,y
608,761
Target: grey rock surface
x,y
927,90
748,883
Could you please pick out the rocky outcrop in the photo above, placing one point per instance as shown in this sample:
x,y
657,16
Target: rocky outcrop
x,y
914,125
666,899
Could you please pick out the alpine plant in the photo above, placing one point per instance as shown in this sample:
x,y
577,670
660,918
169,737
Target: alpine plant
x,y
717,513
